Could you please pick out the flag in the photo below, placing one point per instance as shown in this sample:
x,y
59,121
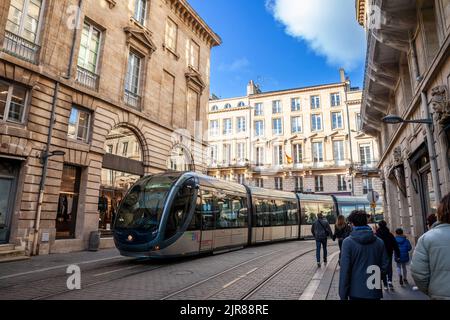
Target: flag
x,y
289,159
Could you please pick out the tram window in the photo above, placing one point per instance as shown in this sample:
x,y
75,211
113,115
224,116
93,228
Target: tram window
x,y
292,213
233,212
196,220
262,213
328,211
180,209
278,213
208,208
310,211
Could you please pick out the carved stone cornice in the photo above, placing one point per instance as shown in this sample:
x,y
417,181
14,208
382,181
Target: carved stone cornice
x,y
111,3
193,77
140,38
440,103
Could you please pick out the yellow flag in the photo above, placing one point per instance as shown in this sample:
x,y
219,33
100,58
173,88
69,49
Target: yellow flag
x,y
289,159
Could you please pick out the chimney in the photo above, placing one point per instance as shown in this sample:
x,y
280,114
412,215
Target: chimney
x,y
252,88
342,75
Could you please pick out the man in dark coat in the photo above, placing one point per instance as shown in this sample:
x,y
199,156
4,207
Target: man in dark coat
x,y
321,230
391,246
363,261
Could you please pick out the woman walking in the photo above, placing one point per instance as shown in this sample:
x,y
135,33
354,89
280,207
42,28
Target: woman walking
x,y
391,245
341,231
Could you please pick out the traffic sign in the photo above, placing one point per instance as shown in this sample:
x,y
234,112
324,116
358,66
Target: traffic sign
x,y
373,198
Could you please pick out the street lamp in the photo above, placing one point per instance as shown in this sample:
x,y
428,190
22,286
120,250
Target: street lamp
x,y
393,119
47,155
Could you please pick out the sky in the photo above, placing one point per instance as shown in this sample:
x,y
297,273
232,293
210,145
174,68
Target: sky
x,y
282,44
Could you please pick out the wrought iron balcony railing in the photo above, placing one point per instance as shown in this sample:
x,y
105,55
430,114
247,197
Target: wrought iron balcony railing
x,y
87,78
20,47
133,100
369,166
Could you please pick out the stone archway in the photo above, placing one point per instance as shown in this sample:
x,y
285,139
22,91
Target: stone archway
x,y
180,159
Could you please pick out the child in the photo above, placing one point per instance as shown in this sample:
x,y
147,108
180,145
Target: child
x,y
402,260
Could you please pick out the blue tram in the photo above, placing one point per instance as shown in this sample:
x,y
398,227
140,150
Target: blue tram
x,y
180,214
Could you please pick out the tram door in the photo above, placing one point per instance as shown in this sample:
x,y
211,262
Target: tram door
x,y
207,207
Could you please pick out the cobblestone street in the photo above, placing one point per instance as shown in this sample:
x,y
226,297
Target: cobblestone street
x,y
282,271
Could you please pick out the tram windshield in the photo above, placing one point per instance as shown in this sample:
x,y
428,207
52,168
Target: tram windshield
x,y
143,207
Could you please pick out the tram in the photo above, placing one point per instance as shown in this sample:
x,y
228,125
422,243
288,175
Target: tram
x,y
346,204
185,213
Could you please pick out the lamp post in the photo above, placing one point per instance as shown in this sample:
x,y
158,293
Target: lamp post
x,y
393,119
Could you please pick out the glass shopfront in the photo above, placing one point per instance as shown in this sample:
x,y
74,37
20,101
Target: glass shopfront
x,y
68,202
8,179
122,167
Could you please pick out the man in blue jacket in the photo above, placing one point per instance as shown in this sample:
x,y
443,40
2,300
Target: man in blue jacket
x,y
364,261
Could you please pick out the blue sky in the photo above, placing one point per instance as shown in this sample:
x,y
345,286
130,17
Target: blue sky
x,y
282,44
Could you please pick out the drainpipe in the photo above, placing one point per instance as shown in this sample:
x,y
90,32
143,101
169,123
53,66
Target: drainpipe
x,y
74,39
44,159
431,150
349,137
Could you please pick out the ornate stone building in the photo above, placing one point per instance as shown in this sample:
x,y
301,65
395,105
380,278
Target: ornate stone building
x,y
304,139
91,106
408,75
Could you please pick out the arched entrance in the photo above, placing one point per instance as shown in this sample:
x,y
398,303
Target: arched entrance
x,y
122,167
180,159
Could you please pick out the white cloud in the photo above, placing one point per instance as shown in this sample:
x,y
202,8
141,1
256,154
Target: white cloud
x,y
237,65
328,26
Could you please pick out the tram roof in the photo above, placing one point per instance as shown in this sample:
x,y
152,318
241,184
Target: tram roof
x,y
314,197
219,184
357,199
266,193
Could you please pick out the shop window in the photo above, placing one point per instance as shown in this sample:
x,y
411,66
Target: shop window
x,y
68,202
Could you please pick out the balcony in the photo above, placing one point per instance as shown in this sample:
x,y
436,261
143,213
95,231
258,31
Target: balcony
x,y
21,48
366,167
87,78
133,100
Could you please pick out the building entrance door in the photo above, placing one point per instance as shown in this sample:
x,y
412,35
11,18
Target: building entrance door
x,y
427,194
8,178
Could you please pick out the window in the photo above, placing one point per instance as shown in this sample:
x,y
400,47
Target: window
x,y
214,127
140,11
226,154
227,126
296,124
88,56
110,149
241,124
241,104
79,124
228,106
278,155
171,35
241,178
277,126
276,107
365,153
259,128
125,149
318,183
13,101
240,152
342,184
259,109
298,184
338,151
214,108
317,152
316,122
259,182
213,154
194,55
295,104
336,120
259,156
231,210
315,102
24,18
358,122
66,216
132,80
278,183
335,99
298,153
367,185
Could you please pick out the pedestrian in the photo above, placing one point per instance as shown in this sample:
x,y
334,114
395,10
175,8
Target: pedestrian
x,y
391,246
431,221
430,264
402,258
341,231
363,256
321,230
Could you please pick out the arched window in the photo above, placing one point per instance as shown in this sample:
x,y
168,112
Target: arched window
x,y
179,159
241,104
214,108
228,106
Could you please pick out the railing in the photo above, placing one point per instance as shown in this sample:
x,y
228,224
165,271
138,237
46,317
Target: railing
x,y
370,166
87,78
132,99
20,47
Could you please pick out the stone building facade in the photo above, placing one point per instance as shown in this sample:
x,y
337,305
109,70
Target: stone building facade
x,y
305,139
135,70
408,76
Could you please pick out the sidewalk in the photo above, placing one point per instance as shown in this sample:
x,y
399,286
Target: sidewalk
x,y
405,292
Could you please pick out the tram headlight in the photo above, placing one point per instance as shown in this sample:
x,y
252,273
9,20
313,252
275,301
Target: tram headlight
x,y
156,248
130,238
